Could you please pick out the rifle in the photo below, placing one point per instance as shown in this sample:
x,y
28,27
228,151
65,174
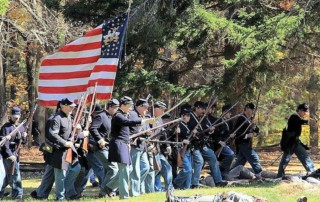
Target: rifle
x,y
76,120
4,139
154,128
218,152
253,116
213,125
165,142
89,120
174,107
26,126
212,102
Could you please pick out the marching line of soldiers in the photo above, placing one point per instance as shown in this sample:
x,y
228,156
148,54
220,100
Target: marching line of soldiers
x,y
130,150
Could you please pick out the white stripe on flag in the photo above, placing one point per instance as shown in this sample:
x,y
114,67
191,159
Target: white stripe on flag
x,y
73,96
75,55
76,82
75,68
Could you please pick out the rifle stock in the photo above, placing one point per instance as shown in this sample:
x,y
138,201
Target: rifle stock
x,y
76,120
86,139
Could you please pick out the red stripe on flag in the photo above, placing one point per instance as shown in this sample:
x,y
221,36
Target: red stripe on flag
x,y
100,96
94,32
75,89
80,47
71,61
78,74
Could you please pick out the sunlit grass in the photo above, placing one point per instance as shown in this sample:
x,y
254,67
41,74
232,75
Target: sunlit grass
x,y
283,192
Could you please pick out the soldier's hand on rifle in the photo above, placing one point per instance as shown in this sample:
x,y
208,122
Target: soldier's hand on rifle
x,y
8,137
194,132
148,132
89,119
185,141
24,134
222,143
77,145
12,158
150,120
102,143
169,150
85,133
212,130
232,135
178,130
249,135
68,144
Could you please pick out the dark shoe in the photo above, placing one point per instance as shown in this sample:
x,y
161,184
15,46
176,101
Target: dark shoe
x,y
222,184
6,194
95,184
195,187
75,197
34,195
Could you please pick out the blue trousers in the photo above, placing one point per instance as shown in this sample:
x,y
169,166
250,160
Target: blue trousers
x,y
197,164
47,181
14,180
183,179
139,170
147,186
2,173
123,180
226,156
110,169
246,153
165,171
210,157
96,166
64,181
303,157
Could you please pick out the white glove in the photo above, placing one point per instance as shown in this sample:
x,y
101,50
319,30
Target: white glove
x,y
24,134
178,130
169,150
8,137
85,133
249,135
222,143
102,143
77,145
13,158
185,141
150,120
68,144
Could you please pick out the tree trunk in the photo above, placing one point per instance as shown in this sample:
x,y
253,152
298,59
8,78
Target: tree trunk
x,y
313,106
2,90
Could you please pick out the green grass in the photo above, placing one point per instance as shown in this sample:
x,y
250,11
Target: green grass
x,y
283,192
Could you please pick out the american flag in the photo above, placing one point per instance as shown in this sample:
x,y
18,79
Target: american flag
x,y
76,67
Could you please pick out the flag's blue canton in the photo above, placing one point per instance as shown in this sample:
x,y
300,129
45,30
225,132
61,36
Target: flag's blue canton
x,y
112,36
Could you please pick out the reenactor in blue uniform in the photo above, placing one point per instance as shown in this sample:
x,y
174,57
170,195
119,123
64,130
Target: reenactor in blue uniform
x,y
10,153
290,142
164,150
58,132
219,137
120,142
183,179
100,130
140,160
243,140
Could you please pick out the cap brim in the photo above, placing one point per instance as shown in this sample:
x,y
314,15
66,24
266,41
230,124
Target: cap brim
x,y
73,105
16,116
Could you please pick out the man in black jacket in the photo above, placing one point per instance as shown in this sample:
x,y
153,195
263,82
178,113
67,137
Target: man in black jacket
x,y
10,152
58,132
120,142
243,133
99,130
290,142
